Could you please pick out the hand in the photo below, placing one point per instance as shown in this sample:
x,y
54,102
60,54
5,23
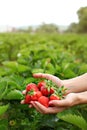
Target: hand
x,y
55,79
58,82
71,98
59,105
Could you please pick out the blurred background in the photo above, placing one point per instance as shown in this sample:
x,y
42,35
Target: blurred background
x,y
48,36
43,15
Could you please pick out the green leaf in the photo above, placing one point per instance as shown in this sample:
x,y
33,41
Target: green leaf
x,y
11,64
2,71
3,127
22,68
83,68
76,120
14,95
37,70
3,89
3,109
68,73
15,66
13,84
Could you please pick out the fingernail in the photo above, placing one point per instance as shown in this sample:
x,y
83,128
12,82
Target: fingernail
x,y
50,104
31,102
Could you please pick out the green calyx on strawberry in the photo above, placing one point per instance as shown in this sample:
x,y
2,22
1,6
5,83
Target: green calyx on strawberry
x,y
46,91
34,95
60,91
46,87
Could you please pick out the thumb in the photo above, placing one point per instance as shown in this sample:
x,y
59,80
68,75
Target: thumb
x,y
60,103
55,79
43,75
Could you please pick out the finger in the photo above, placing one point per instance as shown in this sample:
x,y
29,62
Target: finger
x,y
49,77
35,105
49,110
30,106
24,92
60,103
22,102
42,75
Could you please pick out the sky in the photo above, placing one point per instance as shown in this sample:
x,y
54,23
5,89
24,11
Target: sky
x,y
18,13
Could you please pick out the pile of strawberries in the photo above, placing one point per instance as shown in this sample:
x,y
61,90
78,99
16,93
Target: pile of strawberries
x,y
43,92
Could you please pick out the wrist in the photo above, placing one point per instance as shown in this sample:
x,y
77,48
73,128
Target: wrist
x,y
67,85
82,97
77,99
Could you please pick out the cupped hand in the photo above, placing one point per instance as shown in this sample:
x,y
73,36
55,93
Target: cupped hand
x,y
70,100
57,105
55,79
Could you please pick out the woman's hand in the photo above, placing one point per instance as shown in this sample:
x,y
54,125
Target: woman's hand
x,y
73,85
55,79
70,100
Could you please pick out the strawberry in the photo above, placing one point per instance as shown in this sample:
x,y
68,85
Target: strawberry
x,y
40,84
51,91
31,86
27,99
46,91
44,101
54,97
36,95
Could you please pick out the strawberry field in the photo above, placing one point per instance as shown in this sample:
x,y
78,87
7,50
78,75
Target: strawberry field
x,y
21,55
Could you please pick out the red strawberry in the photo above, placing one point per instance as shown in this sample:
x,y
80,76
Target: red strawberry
x,y
44,101
36,95
51,91
54,97
27,99
31,86
45,91
40,84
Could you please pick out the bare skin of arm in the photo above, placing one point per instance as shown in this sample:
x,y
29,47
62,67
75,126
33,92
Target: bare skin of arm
x,y
71,99
77,84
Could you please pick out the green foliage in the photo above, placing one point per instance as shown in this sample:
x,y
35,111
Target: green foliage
x,y
14,95
21,55
3,109
47,28
81,26
82,14
76,120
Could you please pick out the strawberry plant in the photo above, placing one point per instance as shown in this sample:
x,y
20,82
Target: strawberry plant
x,y
21,55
